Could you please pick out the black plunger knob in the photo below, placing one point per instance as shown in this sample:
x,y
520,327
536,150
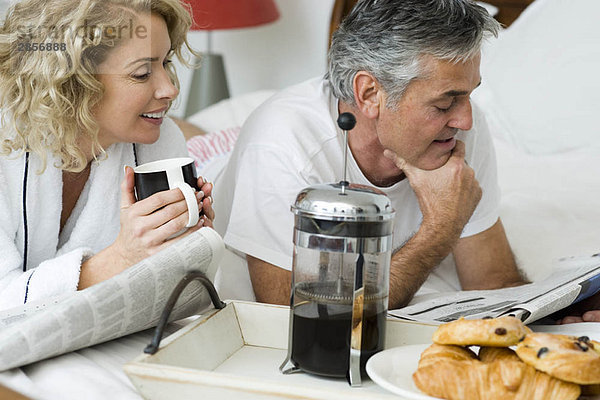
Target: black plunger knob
x,y
346,121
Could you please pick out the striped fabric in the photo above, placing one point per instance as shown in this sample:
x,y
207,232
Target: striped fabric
x,y
204,148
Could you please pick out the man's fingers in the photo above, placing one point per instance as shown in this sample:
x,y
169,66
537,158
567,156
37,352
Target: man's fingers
x,y
127,188
459,149
394,157
591,316
400,162
570,320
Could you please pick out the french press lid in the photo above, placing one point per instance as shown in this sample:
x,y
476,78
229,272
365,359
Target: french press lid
x,y
358,211
356,203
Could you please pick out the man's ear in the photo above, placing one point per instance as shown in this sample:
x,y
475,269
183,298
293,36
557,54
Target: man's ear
x,y
367,94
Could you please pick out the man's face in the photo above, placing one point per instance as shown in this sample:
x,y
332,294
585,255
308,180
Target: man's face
x,y
421,128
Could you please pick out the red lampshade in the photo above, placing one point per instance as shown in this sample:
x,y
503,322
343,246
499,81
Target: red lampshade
x,y
229,14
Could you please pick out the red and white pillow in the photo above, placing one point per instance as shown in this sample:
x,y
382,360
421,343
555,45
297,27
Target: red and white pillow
x,y
212,147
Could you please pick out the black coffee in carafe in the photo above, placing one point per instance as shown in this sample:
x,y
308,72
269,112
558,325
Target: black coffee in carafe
x,y
322,338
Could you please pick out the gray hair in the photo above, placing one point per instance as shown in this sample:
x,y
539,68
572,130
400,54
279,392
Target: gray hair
x,y
388,38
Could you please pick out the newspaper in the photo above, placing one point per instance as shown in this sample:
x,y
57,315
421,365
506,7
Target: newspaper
x,y
129,302
574,279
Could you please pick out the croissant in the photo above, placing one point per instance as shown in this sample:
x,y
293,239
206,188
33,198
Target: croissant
x,y
453,373
489,354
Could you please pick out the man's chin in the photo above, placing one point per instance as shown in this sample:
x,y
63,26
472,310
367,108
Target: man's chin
x,y
430,165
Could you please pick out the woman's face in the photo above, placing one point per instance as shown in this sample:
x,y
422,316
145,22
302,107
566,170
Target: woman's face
x,y
137,89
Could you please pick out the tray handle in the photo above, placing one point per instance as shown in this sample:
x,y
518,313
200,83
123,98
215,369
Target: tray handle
x,y
164,318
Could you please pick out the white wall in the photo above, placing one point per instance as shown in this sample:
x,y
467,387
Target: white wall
x,y
273,56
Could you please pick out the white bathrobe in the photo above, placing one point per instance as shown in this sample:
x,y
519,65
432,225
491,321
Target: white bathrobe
x,y
54,260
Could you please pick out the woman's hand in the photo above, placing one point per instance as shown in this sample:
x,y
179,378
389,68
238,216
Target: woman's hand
x,y
207,213
147,226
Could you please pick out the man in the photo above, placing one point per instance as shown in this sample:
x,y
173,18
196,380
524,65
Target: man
x,y
405,69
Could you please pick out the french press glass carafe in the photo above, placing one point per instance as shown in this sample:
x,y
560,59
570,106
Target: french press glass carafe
x,y
340,279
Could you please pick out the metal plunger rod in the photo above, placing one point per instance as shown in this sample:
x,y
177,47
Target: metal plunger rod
x,y
344,181
346,121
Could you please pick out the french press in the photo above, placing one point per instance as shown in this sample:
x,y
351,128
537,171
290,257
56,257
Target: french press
x,y
340,277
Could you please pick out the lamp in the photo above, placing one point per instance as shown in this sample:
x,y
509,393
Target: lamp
x,y
209,82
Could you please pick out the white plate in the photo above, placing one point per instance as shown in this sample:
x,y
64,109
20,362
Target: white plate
x,y
392,369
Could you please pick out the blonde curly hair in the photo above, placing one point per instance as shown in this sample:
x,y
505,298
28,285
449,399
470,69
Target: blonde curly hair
x,y
47,96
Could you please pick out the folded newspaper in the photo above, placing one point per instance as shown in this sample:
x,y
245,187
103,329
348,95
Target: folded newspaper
x,y
574,279
129,302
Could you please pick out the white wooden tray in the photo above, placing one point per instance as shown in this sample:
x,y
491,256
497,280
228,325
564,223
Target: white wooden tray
x,y
235,353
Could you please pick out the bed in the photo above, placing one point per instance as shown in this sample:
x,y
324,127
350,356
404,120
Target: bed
x,y
540,92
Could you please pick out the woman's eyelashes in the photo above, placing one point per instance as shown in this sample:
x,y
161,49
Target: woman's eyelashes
x,y
145,74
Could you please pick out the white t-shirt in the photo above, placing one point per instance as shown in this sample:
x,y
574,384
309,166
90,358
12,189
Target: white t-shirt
x,y
292,141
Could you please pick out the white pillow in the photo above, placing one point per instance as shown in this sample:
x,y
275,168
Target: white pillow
x,y
541,82
229,112
223,120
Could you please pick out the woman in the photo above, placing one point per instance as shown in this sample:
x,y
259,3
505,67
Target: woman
x,y
84,88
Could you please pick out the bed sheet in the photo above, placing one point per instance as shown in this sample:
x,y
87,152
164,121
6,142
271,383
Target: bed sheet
x,y
549,205
93,373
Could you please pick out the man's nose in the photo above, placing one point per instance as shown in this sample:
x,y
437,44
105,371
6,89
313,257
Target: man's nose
x,y
462,118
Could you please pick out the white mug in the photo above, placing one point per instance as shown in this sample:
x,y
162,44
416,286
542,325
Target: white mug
x,y
166,174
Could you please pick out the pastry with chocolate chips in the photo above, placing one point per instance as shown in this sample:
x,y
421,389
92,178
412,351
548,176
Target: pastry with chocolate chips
x,y
570,358
497,332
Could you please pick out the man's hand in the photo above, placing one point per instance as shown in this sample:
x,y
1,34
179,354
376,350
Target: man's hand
x,y
448,195
587,310
447,198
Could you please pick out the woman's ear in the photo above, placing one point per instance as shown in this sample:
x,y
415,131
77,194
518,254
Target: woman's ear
x,y
367,94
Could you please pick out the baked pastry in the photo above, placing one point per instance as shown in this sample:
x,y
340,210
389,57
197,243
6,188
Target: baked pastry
x,y
489,354
570,358
439,352
453,373
500,332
